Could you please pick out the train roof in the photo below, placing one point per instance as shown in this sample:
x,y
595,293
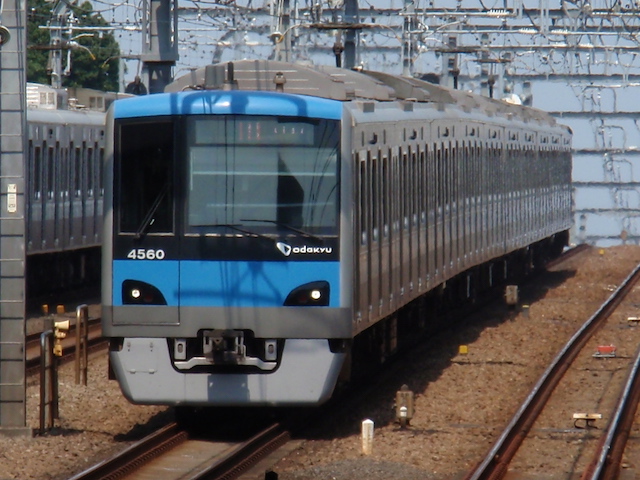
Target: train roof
x,y
217,102
66,117
343,85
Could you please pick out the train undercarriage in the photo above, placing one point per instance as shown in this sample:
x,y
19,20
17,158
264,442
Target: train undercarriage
x,y
445,304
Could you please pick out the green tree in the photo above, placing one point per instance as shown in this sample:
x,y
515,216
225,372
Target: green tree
x,y
92,63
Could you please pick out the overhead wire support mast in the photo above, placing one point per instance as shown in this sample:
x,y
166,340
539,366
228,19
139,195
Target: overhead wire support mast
x,y
159,42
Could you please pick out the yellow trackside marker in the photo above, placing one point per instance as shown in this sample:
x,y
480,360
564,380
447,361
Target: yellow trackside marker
x,y
585,420
463,349
601,251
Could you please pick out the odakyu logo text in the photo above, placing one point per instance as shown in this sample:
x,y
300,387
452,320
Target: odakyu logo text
x,y
287,250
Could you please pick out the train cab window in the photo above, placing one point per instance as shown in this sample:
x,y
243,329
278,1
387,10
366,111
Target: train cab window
x,y
271,173
143,177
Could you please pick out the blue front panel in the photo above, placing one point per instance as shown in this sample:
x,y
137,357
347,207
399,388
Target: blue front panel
x,y
164,275
251,284
223,284
221,102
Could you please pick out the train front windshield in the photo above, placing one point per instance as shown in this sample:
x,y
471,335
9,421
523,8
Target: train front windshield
x,y
262,171
267,174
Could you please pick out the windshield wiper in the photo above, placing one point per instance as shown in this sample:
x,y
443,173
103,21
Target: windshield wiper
x,y
148,220
286,226
237,228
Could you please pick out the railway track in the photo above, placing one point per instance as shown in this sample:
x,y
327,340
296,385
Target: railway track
x,y
171,453
606,459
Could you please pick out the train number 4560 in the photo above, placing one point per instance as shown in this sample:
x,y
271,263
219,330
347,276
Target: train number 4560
x,y
145,254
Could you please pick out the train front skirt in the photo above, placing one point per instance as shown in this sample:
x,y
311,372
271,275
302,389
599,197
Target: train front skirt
x,y
307,375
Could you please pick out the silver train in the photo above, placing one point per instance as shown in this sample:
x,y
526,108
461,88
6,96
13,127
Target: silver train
x,y
64,190
272,229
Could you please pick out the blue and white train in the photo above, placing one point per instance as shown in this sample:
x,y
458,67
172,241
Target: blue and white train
x,y
270,228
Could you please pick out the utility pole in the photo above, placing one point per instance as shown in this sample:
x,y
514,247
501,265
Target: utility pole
x,y
62,27
58,22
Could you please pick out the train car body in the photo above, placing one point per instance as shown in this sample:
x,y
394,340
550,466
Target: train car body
x,y
257,226
65,155
64,191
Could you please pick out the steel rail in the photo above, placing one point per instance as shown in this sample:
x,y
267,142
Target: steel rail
x,y
606,462
228,466
566,255
138,454
246,454
495,464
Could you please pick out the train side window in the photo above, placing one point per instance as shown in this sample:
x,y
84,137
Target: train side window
x,y
446,172
69,171
90,168
61,154
395,184
375,203
50,172
439,179
453,175
62,172
384,205
364,205
415,189
77,172
408,189
36,171
101,172
422,202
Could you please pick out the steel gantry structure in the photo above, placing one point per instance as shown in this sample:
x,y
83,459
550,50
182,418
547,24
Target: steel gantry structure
x,y
577,59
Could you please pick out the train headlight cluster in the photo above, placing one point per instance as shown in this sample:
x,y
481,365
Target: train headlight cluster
x,y
314,294
135,292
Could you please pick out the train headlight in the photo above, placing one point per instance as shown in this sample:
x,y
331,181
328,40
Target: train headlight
x,y
135,292
314,294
